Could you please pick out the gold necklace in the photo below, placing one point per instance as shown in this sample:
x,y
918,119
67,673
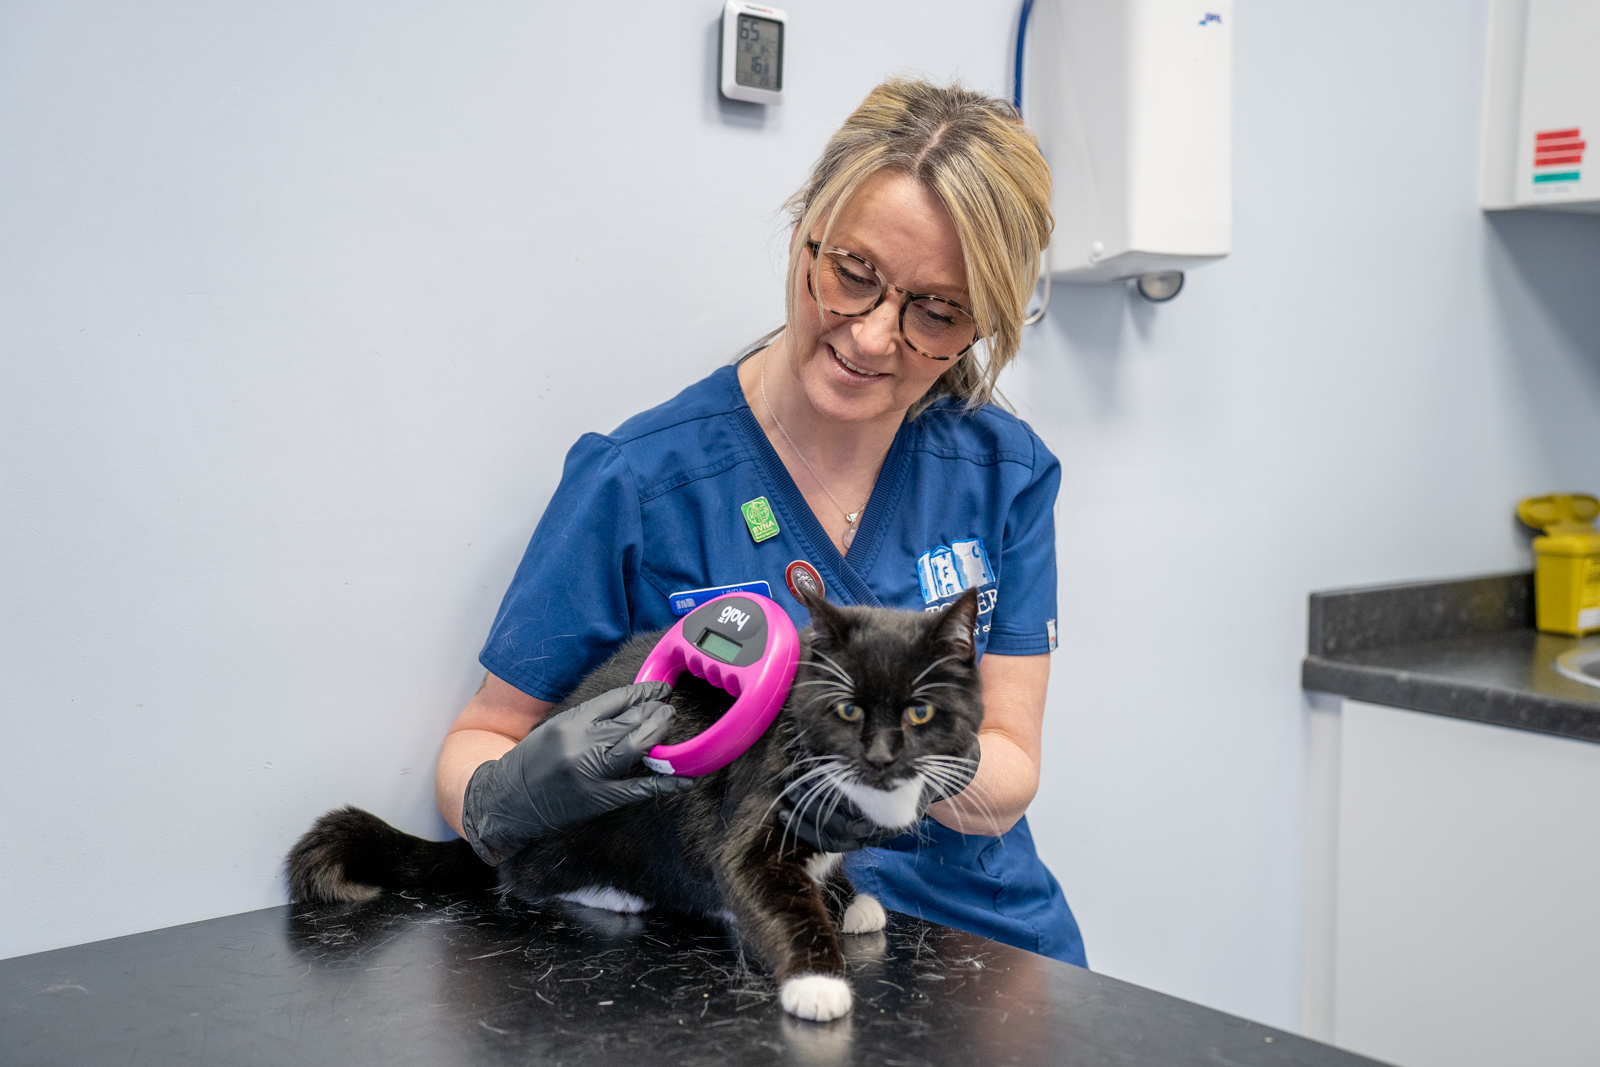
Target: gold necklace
x,y
849,516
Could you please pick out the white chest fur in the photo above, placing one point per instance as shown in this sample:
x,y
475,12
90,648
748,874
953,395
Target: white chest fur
x,y
889,808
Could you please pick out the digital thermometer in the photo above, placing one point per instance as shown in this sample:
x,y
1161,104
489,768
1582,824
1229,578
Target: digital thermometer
x,y
752,52
740,642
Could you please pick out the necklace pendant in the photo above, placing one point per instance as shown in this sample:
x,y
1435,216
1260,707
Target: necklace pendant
x,y
850,517
847,537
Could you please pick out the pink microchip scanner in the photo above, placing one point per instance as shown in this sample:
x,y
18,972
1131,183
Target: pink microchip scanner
x,y
740,642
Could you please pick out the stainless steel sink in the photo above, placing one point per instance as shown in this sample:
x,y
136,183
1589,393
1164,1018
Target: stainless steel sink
x,y
1581,664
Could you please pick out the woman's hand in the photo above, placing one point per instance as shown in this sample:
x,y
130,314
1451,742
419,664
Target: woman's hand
x,y
567,769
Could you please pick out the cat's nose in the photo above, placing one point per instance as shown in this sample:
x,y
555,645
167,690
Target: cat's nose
x,y
880,753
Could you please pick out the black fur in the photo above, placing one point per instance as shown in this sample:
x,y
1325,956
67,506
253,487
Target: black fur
x,y
719,846
362,851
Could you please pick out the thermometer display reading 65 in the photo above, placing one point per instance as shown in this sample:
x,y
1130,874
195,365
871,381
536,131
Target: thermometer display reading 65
x,y
760,62
754,40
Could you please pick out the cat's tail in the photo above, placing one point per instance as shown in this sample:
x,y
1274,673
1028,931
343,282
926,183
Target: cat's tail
x,y
351,855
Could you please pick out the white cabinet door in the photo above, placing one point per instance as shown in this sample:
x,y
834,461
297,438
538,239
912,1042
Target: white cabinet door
x,y
1466,893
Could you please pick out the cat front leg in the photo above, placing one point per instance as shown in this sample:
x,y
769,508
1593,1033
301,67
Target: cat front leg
x,y
782,916
855,913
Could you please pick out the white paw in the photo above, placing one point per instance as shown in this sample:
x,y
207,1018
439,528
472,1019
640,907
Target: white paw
x,y
815,996
863,916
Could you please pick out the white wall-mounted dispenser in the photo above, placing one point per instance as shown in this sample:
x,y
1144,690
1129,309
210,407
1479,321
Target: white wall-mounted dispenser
x,y
1541,106
1132,101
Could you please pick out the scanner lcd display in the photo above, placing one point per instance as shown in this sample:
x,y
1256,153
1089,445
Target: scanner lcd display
x,y
714,644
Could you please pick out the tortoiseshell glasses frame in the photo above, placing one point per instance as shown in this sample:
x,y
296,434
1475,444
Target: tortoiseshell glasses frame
x,y
937,322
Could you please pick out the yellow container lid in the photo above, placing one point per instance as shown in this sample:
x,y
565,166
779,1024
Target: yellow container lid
x,y
1563,517
1578,544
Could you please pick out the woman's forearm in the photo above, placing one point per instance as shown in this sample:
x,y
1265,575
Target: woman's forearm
x,y
999,794
494,720
463,752
1008,770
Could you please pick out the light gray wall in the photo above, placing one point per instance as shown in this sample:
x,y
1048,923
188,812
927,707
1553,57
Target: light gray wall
x,y
1359,394
300,309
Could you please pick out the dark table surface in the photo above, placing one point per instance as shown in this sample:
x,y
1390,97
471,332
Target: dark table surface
x,y
408,981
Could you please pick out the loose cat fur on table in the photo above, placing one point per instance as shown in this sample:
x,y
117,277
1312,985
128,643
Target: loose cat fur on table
x,y
884,703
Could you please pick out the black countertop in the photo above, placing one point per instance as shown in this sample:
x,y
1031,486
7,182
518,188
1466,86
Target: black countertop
x,y
408,981
1465,648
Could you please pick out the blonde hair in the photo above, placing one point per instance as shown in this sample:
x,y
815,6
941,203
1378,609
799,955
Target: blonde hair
x,y
974,153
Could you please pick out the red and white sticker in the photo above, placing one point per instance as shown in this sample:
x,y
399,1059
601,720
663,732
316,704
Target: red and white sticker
x,y
801,575
1559,148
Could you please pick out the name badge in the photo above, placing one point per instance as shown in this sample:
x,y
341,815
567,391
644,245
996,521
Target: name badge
x,y
686,600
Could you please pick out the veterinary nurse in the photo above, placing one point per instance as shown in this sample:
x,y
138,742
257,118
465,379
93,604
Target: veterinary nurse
x,y
858,449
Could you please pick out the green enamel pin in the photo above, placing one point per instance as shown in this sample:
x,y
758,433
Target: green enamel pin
x,y
758,516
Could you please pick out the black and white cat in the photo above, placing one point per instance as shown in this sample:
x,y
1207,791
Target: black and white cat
x,y
885,705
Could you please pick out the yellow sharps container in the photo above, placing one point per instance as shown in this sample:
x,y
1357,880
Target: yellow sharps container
x,y
1566,575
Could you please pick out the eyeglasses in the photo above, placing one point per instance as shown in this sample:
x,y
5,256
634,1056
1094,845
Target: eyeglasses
x,y
850,286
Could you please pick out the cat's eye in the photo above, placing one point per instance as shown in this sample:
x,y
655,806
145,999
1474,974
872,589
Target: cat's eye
x,y
917,714
847,711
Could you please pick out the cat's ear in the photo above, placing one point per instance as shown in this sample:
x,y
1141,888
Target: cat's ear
x,y
826,620
956,628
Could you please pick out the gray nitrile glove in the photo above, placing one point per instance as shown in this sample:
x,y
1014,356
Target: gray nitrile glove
x,y
572,767
846,828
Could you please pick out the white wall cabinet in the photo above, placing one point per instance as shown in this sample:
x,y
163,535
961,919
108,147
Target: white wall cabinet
x,y
1541,106
1455,890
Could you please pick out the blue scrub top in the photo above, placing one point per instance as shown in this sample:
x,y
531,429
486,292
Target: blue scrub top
x,y
653,509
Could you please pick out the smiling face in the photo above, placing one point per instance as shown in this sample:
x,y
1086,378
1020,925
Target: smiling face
x,y
885,698
860,369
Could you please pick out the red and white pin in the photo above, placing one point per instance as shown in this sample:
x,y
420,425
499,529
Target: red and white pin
x,y
801,575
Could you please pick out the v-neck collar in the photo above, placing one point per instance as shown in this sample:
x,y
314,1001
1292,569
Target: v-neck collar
x,y
871,531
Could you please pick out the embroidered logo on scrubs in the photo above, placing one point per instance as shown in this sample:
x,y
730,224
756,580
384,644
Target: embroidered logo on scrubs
x,y
950,570
758,516
1050,632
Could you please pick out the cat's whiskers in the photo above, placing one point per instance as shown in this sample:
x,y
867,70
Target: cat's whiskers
x,y
833,780
953,774
930,667
800,760
927,686
833,692
828,663
850,777
970,802
938,759
830,685
828,764
980,814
